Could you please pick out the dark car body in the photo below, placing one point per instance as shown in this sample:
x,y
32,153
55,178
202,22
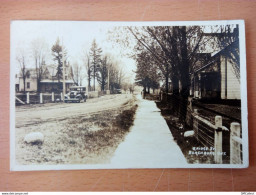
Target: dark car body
x,y
76,94
118,91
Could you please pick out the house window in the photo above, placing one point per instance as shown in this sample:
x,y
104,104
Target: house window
x,y
28,74
28,85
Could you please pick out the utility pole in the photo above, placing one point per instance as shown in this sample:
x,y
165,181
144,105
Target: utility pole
x,y
63,71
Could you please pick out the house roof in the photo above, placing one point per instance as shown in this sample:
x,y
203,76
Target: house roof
x,y
48,71
213,55
225,48
32,72
52,69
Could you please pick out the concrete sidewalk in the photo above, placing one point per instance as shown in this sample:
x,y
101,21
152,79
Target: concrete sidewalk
x,y
150,143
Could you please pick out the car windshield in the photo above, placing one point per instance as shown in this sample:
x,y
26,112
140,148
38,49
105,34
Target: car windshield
x,y
78,88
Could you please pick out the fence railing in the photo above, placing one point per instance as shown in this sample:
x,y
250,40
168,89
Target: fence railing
x,y
204,130
211,135
38,98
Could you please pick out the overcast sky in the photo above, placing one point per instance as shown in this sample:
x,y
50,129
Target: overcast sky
x,y
77,38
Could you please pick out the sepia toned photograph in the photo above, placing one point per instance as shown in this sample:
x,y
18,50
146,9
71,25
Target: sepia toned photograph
x,y
111,95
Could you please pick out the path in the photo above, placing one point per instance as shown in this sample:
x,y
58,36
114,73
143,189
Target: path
x,y
150,143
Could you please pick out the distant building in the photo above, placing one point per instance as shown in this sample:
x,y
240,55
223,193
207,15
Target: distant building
x,y
30,81
48,83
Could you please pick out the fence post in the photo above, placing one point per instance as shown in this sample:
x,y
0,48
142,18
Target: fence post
x,y
27,97
52,96
190,92
218,140
61,96
235,146
195,111
41,98
196,94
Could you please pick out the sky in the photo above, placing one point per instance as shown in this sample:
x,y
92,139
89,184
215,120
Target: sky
x,y
76,37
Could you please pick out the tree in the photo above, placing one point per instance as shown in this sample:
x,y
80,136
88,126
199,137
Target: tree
x,y
174,50
21,58
120,76
57,52
39,51
76,74
115,75
95,54
88,69
102,72
146,73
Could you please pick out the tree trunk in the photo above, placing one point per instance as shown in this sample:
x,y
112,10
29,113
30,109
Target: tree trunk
x,y
174,99
89,83
184,79
102,86
175,85
94,79
24,84
166,82
38,85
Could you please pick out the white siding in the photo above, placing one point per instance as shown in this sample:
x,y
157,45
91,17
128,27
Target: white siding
x,y
233,84
33,84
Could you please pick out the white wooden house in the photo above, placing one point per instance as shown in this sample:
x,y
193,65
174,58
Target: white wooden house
x,y
48,83
216,79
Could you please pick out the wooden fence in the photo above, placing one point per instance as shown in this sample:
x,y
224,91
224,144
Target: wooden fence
x,y
225,140
38,98
211,135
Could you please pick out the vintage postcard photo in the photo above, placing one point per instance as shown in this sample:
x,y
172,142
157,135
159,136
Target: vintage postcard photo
x,y
111,95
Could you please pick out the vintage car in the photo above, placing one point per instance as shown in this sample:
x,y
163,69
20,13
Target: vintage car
x,y
117,91
76,94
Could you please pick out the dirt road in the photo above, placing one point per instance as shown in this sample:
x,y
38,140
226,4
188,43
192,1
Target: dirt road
x,y
75,133
33,114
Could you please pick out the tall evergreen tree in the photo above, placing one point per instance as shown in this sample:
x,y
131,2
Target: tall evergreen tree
x,y
95,53
57,52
